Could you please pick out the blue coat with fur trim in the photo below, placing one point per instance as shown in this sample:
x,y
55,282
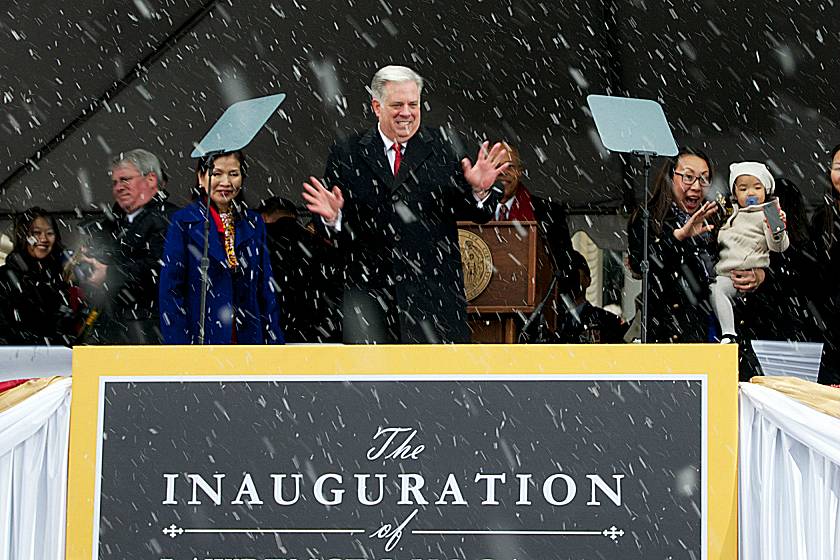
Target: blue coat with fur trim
x,y
242,296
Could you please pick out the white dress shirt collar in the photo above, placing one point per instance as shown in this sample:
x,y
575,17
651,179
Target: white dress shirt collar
x,y
130,217
387,141
508,203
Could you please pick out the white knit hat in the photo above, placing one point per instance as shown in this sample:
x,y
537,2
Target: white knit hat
x,y
757,170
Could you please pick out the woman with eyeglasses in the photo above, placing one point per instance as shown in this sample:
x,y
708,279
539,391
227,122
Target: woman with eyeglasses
x,y
825,235
241,307
35,304
681,250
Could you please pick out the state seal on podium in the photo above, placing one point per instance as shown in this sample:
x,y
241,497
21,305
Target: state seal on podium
x,y
477,262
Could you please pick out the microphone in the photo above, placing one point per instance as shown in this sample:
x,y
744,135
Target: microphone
x,y
537,312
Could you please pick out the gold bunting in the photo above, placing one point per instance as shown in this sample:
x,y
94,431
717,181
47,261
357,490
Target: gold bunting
x,y
16,395
819,397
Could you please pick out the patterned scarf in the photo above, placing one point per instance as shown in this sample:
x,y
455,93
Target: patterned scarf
x,y
230,237
224,225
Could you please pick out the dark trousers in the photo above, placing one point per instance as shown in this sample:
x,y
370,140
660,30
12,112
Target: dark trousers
x,y
126,332
829,365
370,317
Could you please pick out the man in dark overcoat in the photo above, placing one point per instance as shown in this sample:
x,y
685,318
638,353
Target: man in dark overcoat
x,y
125,256
398,190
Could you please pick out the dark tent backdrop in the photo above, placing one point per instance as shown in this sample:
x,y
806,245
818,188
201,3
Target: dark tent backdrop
x,y
85,80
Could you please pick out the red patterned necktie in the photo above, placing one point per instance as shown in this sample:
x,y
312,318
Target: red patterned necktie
x,y
397,157
503,212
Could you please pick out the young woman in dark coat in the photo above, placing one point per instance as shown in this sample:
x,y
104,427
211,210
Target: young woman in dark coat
x,y
34,298
825,236
680,247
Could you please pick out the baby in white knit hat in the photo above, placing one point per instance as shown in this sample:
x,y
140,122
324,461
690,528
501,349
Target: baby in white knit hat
x,y
745,239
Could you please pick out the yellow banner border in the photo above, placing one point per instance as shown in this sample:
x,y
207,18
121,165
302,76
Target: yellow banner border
x,y
718,362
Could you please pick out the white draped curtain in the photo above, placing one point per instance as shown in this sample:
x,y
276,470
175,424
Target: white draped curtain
x,y
789,487
34,437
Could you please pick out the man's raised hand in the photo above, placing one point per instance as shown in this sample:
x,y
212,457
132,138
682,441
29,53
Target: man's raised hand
x,y
321,201
488,166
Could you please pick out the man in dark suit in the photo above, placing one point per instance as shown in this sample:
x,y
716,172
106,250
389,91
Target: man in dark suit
x,y
398,190
124,259
518,204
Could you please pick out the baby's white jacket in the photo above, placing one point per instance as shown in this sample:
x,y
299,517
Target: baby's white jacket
x,y
745,240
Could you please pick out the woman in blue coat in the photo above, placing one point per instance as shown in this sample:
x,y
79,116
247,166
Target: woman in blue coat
x,y
241,305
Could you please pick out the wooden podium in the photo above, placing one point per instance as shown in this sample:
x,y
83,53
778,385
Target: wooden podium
x,y
507,271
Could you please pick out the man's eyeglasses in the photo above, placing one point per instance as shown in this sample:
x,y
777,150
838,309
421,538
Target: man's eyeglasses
x,y
125,181
690,179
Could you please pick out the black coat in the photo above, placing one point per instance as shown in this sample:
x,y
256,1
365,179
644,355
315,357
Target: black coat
x,y
34,302
128,300
825,236
592,325
554,229
785,306
399,234
305,268
680,274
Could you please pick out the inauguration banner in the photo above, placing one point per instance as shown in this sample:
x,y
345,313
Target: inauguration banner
x,y
403,453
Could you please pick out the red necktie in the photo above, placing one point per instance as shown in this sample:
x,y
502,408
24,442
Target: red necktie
x,y
397,157
503,212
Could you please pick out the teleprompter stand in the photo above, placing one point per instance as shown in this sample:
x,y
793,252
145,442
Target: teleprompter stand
x,y
639,127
